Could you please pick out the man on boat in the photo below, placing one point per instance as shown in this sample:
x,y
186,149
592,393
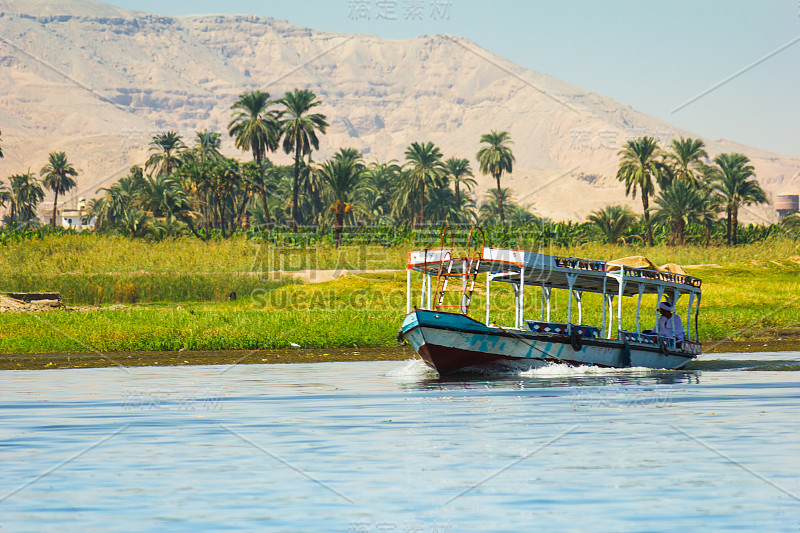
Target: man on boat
x,y
669,324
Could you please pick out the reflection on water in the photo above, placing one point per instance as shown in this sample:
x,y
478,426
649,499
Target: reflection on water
x,y
390,446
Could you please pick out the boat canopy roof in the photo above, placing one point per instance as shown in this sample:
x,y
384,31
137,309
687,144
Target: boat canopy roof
x,y
588,275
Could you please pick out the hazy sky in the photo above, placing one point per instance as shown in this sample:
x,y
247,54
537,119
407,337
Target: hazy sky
x,y
652,55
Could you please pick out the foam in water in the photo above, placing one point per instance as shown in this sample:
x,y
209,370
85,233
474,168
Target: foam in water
x,y
414,368
417,369
561,370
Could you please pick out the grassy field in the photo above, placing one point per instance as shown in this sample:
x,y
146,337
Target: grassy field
x,y
178,292
342,313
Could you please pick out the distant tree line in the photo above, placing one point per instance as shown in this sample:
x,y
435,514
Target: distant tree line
x,y
193,189
693,191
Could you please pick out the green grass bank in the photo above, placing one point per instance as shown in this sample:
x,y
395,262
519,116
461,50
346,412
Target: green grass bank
x,y
175,296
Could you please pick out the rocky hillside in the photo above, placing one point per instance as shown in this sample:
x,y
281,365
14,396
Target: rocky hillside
x,y
98,81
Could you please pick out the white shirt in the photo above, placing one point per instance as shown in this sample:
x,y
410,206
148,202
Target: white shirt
x,y
670,327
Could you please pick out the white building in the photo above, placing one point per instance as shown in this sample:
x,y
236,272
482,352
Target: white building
x,y
68,218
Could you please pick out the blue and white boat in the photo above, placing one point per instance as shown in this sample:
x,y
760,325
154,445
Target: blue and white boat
x,y
441,331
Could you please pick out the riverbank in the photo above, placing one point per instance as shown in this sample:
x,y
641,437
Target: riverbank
x,y
228,358
223,358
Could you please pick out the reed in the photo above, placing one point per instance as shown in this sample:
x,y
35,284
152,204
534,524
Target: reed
x,y
128,288
98,254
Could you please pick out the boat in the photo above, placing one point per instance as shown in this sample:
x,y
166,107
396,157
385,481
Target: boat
x,y
439,327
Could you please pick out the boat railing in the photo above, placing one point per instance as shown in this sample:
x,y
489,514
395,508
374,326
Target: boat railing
x,y
653,339
464,275
641,338
562,328
660,275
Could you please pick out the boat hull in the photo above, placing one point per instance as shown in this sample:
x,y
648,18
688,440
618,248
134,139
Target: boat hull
x,y
450,342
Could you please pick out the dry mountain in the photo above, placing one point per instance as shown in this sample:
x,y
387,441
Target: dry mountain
x,y
98,81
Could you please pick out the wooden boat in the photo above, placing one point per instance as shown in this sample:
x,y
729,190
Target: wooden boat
x,y
441,331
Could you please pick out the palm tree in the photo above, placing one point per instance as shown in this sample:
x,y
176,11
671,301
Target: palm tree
x,y
263,178
425,166
489,211
685,160
58,173
460,172
1,146
166,157
134,224
254,126
731,180
225,178
712,201
679,204
709,213
612,221
379,180
300,129
349,153
792,225
120,197
5,194
109,209
207,144
495,158
342,176
163,196
640,169
26,193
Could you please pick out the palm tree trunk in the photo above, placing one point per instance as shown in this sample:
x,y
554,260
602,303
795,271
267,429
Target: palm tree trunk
x,y
193,229
422,204
296,182
728,226
204,210
223,221
500,202
681,232
646,206
735,224
458,196
337,229
242,208
55,203
265,207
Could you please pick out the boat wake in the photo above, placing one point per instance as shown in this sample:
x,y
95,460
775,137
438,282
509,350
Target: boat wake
x,y
417,370
413,369
764,361
562,370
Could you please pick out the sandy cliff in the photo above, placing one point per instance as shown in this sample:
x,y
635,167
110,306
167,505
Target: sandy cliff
x,y
98,81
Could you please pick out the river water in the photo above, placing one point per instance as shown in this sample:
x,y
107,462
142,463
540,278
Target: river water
x,y
387,446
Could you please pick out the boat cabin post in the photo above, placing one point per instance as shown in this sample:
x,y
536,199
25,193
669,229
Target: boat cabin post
x,y
660,291
639,307
604,303
619,301
408,290
521,301
571,279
